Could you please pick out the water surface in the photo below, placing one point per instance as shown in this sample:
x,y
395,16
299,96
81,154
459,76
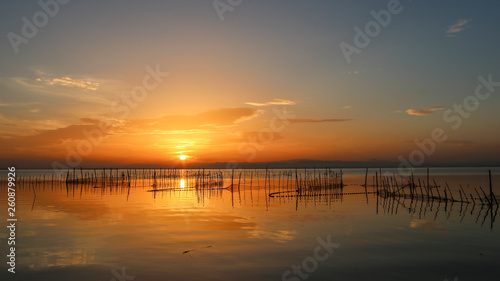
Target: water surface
x,y
78,232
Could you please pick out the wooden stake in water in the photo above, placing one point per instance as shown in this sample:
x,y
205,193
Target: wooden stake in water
x,y
366,177
486,196
428,180
232,179
491,189
366,183
239,193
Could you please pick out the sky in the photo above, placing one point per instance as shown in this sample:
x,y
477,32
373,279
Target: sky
x,y
124,83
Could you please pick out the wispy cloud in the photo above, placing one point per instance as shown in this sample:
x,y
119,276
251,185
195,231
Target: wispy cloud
x,y
45,86
274,102
297,121
459,26
169,124
70,82
424,111
223,117
254,135
44,138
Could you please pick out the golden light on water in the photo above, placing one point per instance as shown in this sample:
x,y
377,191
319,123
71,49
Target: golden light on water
x,y
183,183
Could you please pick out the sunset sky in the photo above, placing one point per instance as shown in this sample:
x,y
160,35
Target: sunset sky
x,y
106,83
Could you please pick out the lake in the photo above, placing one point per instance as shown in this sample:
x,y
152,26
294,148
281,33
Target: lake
x,y
194,225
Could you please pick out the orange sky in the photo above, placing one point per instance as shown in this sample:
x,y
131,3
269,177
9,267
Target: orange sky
x,y
177,79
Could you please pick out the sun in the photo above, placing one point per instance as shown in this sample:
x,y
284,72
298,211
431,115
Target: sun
x,y
182,157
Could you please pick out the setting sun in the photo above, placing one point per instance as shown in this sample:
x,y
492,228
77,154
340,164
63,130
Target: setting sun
x,y
182,157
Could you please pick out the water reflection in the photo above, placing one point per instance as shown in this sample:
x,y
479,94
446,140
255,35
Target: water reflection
x,y
257,226
429,210
273,192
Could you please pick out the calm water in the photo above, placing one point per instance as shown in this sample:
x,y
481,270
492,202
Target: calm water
x,y
78,232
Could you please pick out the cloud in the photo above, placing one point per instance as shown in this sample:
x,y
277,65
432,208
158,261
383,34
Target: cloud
x,y
70,82
459,26
27,124
223,117
298,121
254,136
50,137
274,102
46,140
424,111
32,88
347,107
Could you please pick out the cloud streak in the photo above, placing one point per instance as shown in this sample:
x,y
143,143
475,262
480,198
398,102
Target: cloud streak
x,y
424,111
458,27
274,102
30,88
47,138
70,82
213,119
299,121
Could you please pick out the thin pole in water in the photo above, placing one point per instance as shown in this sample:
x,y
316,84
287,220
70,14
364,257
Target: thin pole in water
x,y
491,189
